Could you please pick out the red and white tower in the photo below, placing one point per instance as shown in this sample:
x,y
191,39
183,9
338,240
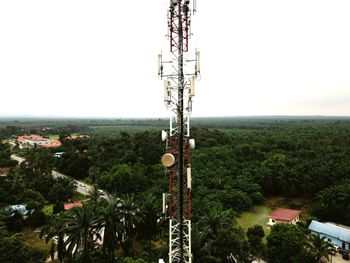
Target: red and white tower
x,y
179,73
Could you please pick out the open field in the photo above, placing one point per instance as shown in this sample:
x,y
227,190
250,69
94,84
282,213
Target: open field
x,y
257,216
48,209
31,238
54,137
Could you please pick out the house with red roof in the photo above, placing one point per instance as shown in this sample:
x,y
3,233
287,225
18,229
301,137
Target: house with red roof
x,y
53,143
69,206
285,216
27,141
4,171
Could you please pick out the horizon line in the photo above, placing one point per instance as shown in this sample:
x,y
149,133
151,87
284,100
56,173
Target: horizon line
x,y
159,117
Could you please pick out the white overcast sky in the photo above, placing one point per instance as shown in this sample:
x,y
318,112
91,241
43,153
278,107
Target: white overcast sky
x,y
99,58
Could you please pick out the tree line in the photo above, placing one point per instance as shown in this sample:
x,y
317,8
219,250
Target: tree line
x,y
233,169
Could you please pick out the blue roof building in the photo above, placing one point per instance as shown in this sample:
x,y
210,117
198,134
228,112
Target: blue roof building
x,y
336,234
21,209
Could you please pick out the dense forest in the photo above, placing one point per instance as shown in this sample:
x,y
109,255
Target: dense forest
x,y
237,164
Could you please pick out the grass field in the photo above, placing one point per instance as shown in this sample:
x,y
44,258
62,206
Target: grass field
x,y
48,209
78,197
32,239
54,137
257,216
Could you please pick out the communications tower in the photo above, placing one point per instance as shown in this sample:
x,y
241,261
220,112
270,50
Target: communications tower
x,y
179,72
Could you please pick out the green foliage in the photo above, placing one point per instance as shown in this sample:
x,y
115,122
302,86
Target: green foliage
x,y
32,199
233,169
4,215
131,217
217,238
304,257
37,218
111,217
319,247
5,154
130,260
333,204
62,189
36,171
255,236
284,242
13,249
82,227
120,179
58,207
15,222
55,228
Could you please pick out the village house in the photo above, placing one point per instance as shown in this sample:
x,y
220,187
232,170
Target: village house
x,y
285,216
338,235
4,171
69,206
20,209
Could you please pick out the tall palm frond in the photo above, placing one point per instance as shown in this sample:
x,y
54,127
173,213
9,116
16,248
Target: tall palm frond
x,y
83,229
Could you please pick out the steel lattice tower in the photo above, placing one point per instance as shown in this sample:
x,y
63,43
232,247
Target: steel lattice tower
x,y
179,90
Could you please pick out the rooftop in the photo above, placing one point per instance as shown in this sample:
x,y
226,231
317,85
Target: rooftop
x,y
30,137
21,209
53,143
331,229
71,205
37,138
4,170
283,214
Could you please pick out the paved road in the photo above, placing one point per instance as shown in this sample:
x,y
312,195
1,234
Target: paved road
x,y
338,259
82,187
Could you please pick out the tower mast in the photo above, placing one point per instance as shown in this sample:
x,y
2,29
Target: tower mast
x,y
179,92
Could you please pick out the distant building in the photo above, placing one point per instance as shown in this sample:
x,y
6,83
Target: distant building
x,y
4,171
28,141
285,216
74,137
53,143
20,209
69,206
338,235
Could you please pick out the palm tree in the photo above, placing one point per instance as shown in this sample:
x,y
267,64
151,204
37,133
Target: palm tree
x,y
288,182
82,230
150,219
222,240
111,222
55,229
130,217
94,194
319,247
200,246
216,219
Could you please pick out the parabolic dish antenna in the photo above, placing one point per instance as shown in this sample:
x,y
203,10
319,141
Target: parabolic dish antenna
x,y
168,160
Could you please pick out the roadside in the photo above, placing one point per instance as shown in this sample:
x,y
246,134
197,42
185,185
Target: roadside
x,y
82,187
337,259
